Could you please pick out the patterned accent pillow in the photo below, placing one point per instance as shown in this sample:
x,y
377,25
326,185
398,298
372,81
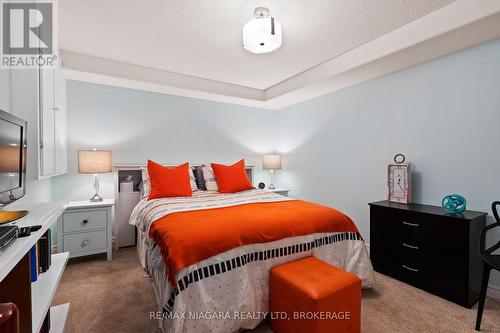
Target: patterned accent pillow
x,y
192,180
209,177
200,181
146,182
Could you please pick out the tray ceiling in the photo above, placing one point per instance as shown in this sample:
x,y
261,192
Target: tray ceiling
x,y
194,47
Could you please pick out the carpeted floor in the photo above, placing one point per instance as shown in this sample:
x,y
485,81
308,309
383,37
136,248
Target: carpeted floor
x,y
116,297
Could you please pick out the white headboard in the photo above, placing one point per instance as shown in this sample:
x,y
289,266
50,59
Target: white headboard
x,y
122,170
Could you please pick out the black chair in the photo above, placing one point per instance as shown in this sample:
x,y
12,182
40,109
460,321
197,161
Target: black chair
x,y
490,261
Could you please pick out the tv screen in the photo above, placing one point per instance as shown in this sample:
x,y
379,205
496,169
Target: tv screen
x,y
12,158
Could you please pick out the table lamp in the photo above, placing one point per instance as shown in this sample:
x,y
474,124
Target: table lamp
x,y
94,161
271,162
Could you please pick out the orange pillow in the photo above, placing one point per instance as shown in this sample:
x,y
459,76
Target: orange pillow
x,y
169,182
232,178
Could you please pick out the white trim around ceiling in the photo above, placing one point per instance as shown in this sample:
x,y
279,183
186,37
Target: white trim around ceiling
x,y
461,24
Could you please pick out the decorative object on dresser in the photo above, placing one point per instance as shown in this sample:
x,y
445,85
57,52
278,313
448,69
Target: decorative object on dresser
x,y
398,180
86,228
94,161
428,248
490,261
454,204
271,162
261,185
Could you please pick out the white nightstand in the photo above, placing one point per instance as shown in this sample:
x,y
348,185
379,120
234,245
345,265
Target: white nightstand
x,y
86,228
281,191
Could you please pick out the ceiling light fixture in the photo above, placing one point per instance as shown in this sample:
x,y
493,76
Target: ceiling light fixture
x,y
262,34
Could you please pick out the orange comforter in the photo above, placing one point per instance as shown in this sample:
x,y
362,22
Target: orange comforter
x,y
186,238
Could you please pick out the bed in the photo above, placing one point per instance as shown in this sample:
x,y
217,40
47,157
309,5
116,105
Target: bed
x,y
209,255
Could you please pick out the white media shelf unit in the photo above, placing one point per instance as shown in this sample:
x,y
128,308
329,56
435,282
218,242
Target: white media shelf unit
x,y
33,298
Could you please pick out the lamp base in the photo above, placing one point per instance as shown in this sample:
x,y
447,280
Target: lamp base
x,y
272,187
96,198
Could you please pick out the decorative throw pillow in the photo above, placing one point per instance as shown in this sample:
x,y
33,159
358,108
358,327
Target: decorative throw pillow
x,y
169,182
192,180
231,178
200,181
146,183
209,178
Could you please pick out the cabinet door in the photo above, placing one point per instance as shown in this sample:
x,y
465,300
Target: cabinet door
x,y
47,123
61,153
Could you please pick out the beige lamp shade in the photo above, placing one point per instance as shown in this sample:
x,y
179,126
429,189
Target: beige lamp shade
x,y
271,162
94,161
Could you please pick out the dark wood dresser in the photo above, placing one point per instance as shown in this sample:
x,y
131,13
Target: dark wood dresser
x,y
428,248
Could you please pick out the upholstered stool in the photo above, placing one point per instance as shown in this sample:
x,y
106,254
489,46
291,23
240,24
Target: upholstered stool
x,y
316,297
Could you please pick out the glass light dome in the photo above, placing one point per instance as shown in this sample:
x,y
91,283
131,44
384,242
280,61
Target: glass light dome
x,y
262,35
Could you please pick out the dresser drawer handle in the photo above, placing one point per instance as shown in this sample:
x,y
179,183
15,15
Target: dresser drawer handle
x,y
85,221
411,224
410,246
85,242
409,268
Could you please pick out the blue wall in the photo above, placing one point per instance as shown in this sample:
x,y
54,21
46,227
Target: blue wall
x,y
444,115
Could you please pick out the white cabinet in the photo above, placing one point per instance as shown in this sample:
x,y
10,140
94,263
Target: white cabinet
x,y
39,97
52,121
86,227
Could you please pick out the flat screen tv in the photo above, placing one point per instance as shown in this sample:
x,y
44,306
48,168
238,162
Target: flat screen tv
x,y
13,147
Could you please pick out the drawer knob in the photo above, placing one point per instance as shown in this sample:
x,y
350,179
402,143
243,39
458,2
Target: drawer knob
x,y
410,269
410,246
85,221
85,242
411,224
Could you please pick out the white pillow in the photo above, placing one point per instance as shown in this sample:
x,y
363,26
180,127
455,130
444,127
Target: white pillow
x,y
209,177
146,183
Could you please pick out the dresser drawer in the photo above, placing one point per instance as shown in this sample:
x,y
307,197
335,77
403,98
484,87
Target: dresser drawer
x,y
396,226
84,220
85,241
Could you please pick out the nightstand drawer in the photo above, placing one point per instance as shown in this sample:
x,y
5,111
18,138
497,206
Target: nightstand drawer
x,y
84,241
84,220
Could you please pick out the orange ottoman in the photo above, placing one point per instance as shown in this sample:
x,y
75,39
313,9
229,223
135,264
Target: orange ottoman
x,y
310,295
